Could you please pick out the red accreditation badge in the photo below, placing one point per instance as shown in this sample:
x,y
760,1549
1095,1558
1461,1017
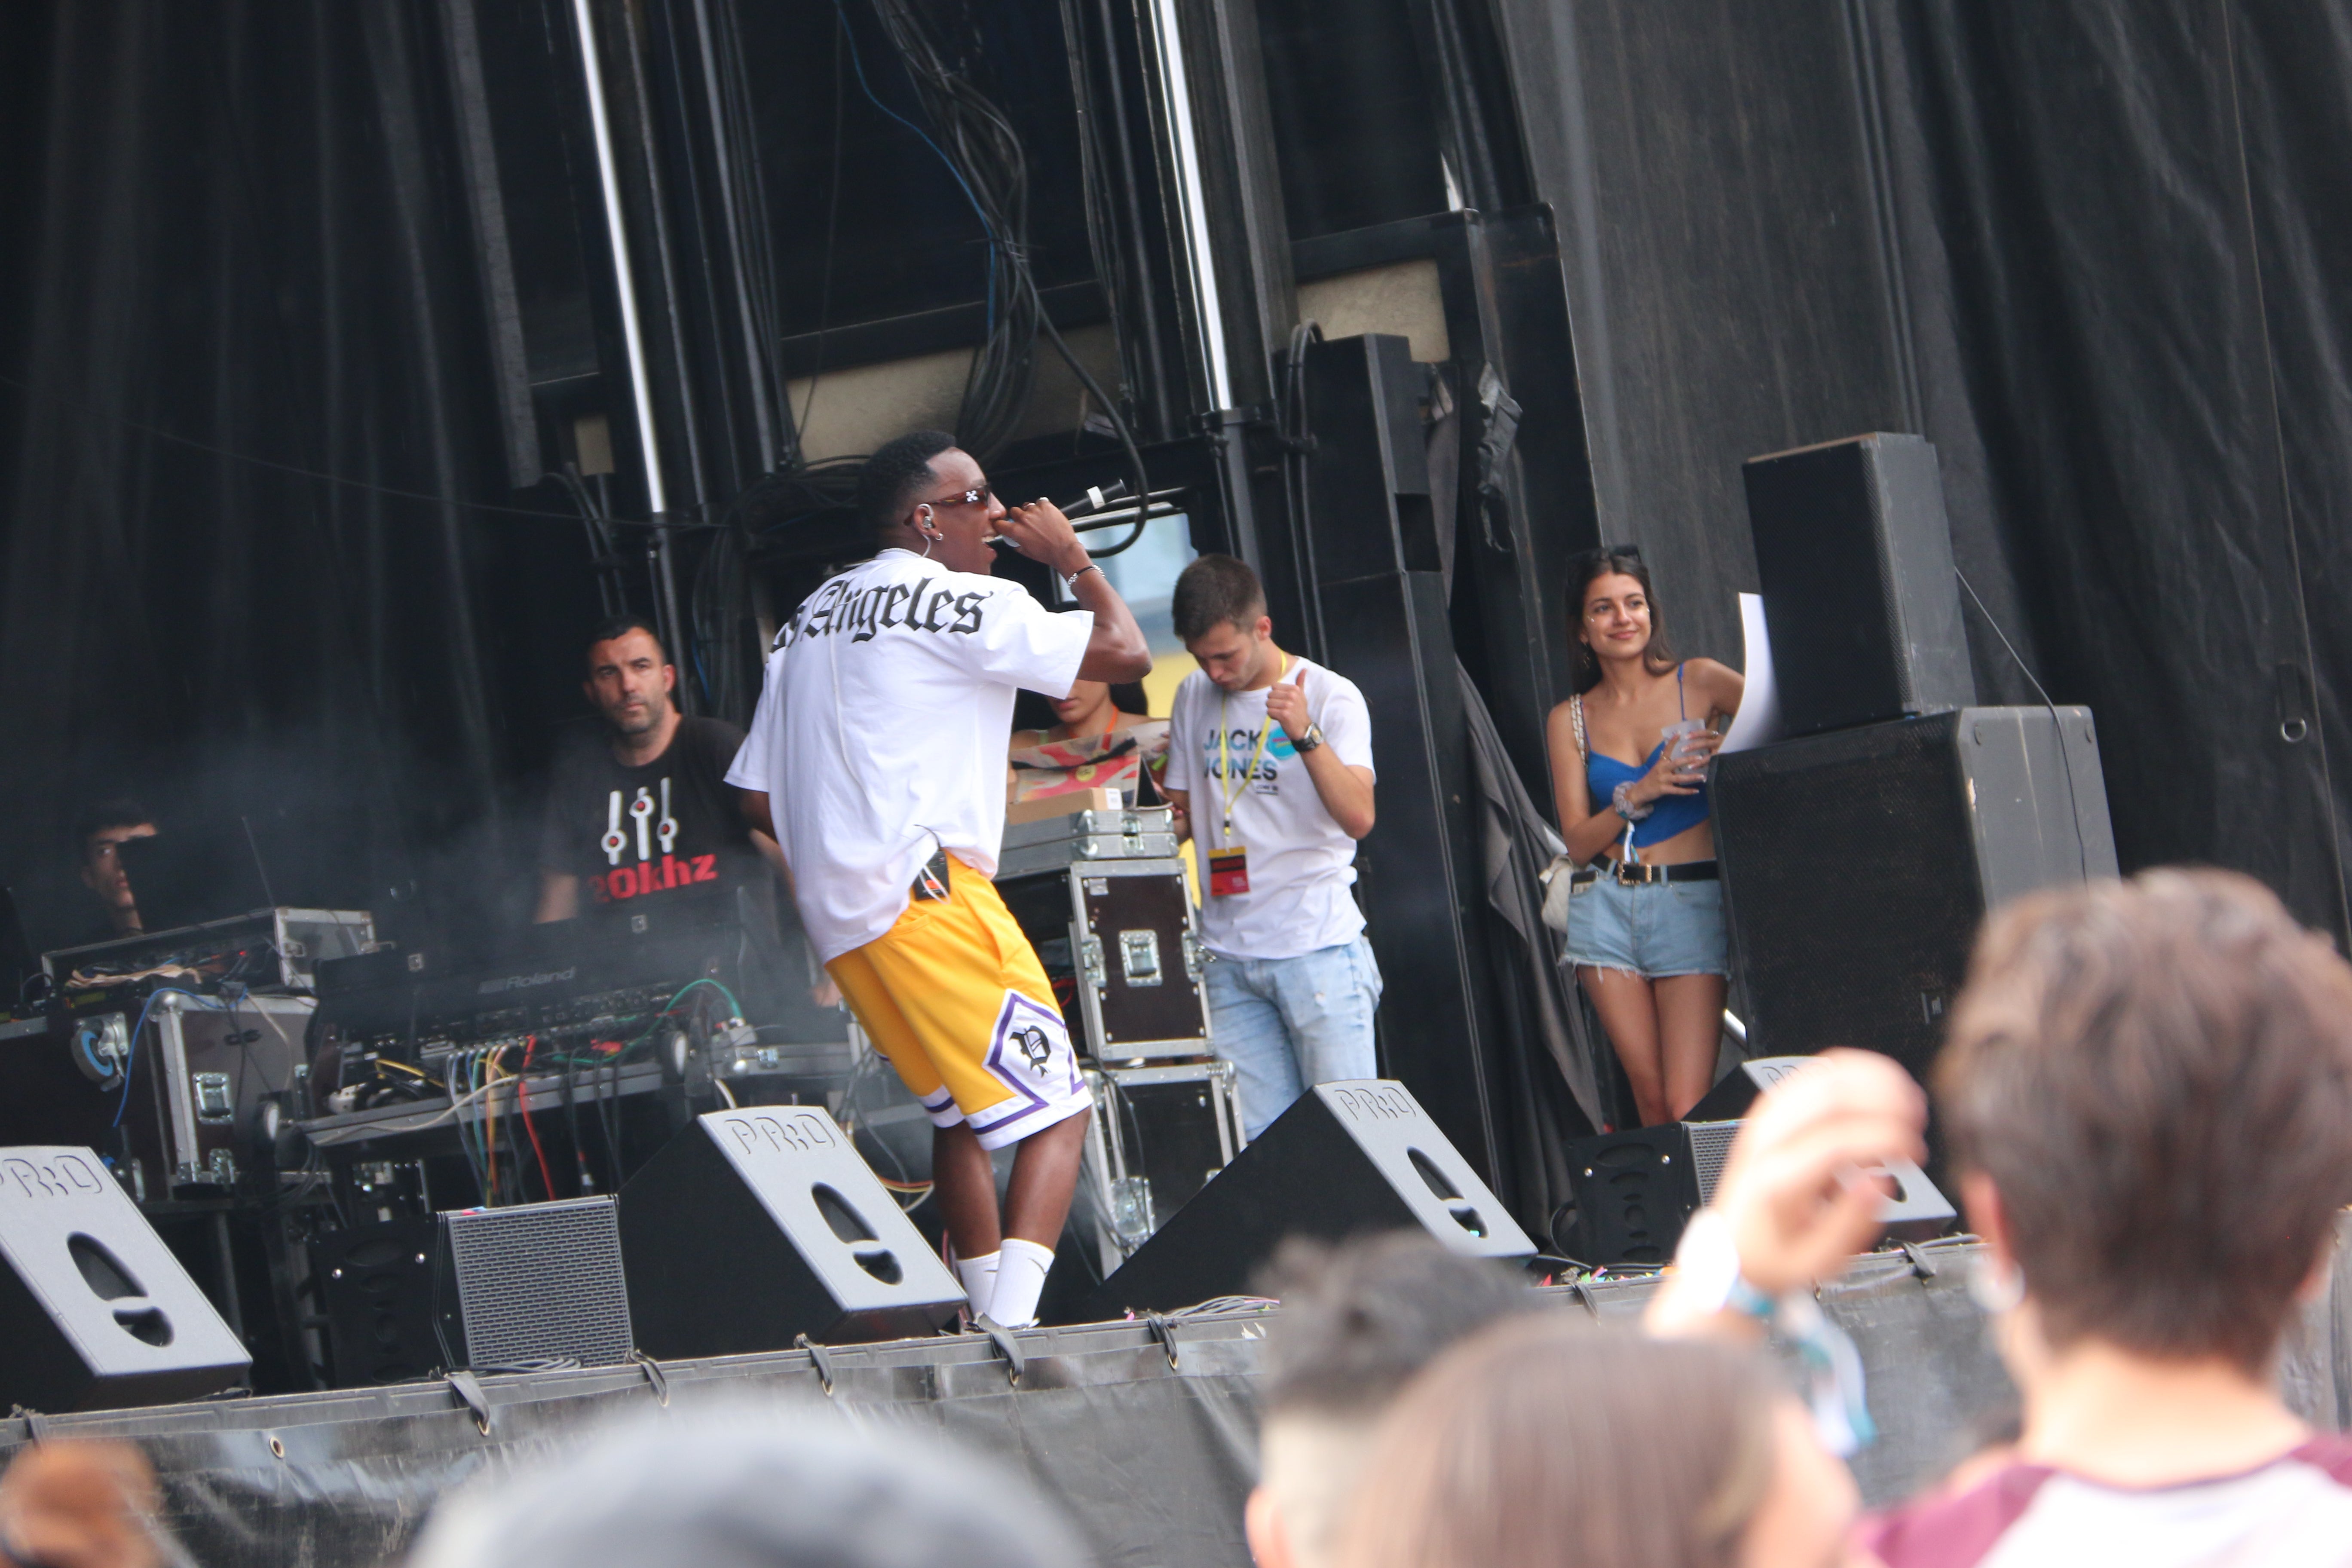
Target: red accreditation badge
x,y
1228,871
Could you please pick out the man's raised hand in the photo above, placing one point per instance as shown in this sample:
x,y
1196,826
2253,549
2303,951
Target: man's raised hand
x,y
1040,531
1286,704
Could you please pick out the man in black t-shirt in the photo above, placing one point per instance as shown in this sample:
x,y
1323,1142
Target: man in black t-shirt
x,y
642,810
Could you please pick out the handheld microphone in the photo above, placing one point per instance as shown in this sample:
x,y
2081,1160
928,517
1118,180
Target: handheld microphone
x,y
1096,498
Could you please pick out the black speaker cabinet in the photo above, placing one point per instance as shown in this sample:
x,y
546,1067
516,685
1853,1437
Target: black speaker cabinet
x,y
95,1313
759,1224
1634,1191
1349,1157
377,1283
1857,865
1854,557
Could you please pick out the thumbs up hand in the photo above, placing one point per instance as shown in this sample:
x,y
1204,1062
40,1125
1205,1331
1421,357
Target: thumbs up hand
x,y
1286,704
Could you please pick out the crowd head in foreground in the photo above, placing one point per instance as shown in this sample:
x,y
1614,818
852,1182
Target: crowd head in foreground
x,y
792,1486
1358,1324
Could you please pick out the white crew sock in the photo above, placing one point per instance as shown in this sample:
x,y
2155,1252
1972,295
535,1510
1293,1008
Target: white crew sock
x,y
1020,1276
979,1277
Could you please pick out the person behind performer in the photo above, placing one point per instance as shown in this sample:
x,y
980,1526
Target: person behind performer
x,y
1102,737
784,1485
99,835
1270,771
2144,1089
641,810
1358,1320
1629,753
876,757
1550,1441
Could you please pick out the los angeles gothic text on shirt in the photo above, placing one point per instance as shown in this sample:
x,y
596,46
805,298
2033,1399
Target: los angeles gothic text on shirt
x,y
890,606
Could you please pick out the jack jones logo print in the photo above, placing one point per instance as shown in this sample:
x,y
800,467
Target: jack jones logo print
x,y
1241,746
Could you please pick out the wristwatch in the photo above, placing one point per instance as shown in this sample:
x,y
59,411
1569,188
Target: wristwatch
x,y
1310,741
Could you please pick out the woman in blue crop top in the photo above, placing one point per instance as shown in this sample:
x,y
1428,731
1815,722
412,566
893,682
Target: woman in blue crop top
x,y
1645,912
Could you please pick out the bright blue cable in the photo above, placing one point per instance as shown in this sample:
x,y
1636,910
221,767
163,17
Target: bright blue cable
x,y
130,1056
858,65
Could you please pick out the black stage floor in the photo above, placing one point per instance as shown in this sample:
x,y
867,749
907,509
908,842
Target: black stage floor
x,y
1149,1447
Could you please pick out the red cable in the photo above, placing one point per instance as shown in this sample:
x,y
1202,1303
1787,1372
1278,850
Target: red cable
x,y
522,1101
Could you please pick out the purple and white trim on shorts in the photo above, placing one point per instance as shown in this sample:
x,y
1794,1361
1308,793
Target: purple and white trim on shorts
x,y
1029,1053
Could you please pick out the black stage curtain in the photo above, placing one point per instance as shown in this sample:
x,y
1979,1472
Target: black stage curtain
x,y
2146,217
248,234
2094,250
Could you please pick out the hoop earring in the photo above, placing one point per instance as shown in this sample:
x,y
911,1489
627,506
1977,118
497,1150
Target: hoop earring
x,y
1994,1291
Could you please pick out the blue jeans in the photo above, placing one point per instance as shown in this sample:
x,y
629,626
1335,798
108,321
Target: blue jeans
x,y
1286,1023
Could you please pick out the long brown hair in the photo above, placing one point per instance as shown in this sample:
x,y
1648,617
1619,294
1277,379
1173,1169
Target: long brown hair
x,y
1613,560
1550,1442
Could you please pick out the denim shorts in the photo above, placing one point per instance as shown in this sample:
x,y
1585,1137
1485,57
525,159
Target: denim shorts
x,y
1654,929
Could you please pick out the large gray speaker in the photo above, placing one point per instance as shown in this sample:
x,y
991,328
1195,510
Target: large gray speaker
x,y
1348,1159
756,1225
95,1313
1854,557
1857,865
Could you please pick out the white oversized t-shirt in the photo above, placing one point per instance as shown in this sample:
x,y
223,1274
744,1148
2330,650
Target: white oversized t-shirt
x,y
881,730
1301,864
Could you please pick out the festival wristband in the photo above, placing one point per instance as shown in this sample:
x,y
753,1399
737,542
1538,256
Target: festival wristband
x,y
1707,1276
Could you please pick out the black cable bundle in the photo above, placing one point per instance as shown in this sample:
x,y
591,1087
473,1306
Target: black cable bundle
x,y
1295,434
984,154
1120,271
745,179
722,640
604,554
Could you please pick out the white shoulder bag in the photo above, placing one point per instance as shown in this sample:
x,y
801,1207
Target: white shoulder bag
x,y
1555,877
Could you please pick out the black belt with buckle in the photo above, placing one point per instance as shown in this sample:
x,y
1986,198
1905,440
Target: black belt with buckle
x,y
1636,875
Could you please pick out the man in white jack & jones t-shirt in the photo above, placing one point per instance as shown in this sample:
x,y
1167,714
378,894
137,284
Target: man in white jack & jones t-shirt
x,y
1270,770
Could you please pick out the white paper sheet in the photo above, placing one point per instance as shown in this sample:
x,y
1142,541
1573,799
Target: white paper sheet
x,y
1757,723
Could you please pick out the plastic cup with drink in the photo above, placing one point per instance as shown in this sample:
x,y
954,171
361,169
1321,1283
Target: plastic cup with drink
x,y
1681,739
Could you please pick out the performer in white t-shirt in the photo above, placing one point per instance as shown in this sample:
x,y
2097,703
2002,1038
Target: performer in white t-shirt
x,y
1270,770
877,761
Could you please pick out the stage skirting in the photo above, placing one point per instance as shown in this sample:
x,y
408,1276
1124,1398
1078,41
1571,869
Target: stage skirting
x,y
1151,1452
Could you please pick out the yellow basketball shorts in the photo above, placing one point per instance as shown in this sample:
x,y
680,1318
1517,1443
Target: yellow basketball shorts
x,y
954,995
